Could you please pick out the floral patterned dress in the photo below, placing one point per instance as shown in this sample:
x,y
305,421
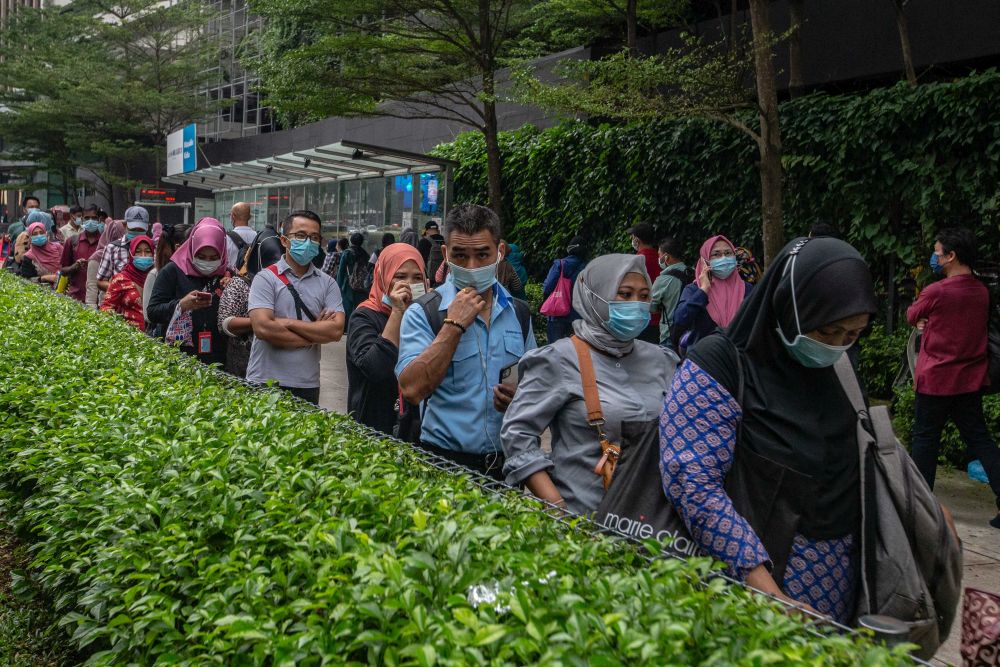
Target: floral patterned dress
x,y
125,298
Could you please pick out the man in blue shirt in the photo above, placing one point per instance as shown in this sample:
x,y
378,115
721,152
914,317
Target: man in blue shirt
x,y
455,371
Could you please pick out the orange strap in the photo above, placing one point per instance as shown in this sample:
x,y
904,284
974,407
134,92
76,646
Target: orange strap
x,y
610,452
595,416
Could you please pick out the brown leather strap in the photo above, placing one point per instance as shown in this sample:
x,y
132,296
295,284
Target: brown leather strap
x,y
589,380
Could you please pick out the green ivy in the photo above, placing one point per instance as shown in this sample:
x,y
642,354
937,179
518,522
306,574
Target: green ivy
x,y
882,358
887,167
179,518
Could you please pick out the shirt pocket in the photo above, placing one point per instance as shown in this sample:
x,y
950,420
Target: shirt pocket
x,y
513,344
466,369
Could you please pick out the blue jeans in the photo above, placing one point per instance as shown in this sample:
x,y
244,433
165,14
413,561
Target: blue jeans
x,y
561,327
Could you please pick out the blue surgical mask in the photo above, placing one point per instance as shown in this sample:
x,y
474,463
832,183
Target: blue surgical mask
x,y
722,267
805,350
627,319
143,263
100,227
936,264
303,251
39,240
91,226
481,279
386,300
131,234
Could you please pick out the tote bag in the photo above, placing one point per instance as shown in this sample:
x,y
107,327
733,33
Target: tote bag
x,y
559,302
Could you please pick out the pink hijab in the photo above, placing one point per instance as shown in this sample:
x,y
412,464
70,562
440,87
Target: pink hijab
x,y
727,294
48,256
113,230
206,233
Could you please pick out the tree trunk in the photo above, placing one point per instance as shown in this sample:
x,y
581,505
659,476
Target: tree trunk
x,y
904,41
769,144
632,27
795,85
493,166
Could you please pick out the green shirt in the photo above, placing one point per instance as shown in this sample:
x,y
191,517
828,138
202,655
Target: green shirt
x,y
666,293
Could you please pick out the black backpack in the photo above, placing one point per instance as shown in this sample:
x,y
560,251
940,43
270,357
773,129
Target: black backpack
x,y
431,301
676,333
434,258
241,248
358,279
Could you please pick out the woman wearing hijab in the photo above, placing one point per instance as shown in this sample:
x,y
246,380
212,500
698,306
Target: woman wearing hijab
x,y
354,256
44,257
612,297
373,336
711,301
568,267
186,293
126,288
794,422
410,237
170,238
110,231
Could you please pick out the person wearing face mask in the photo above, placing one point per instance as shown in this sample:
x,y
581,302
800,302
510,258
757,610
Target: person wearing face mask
x,y
110,231
951,371
373,336
668,286
124,295
712,300
116,253
185,296
294,309
568,267
644,244
455,341
769,381
612,296
43,258
74,225
77,252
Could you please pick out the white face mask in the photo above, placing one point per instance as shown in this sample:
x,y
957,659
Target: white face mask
x,y
206,267
417,290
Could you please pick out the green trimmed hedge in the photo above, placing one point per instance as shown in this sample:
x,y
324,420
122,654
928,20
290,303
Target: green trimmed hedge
x,y
887,167
179,518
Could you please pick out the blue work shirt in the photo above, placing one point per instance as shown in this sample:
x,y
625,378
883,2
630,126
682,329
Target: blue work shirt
x,y
459,415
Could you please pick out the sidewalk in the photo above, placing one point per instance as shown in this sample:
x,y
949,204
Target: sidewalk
x,y
970,503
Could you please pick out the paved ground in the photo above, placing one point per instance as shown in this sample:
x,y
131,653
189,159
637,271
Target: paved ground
x,y
970,503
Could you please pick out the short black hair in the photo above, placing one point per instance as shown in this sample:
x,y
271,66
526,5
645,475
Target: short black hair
x,y
76,209
388,239
823,229
286,224
343,243
960,241
102,214
671,246
89,208
29,198
471,219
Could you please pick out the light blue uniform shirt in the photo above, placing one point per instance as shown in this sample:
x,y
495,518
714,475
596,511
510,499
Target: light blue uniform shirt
x,y
459,415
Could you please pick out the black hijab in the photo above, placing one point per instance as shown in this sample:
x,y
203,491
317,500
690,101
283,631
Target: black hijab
x,y
798,416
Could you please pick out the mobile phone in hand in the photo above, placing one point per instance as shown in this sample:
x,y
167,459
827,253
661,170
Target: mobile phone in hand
x,y
510,375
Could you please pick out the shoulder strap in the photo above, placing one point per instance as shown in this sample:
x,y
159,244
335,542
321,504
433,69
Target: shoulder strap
x,y
430,303
523,312
595,416
849,381
300,307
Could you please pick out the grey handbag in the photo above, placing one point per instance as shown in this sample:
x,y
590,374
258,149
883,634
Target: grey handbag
x,y
911,561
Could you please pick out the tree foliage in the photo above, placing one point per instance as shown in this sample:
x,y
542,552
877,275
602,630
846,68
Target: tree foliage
x,y
931,152
100,84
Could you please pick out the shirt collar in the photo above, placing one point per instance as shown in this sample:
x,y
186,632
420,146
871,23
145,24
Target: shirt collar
x,y
284,267
447,290
679,265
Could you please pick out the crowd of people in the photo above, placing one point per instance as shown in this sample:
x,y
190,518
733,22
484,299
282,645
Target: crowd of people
x,y
717,364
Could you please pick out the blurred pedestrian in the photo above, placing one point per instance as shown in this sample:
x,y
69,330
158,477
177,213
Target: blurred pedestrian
x,y
567,267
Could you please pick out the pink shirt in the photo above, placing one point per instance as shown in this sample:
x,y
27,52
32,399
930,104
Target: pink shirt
x,y
952,357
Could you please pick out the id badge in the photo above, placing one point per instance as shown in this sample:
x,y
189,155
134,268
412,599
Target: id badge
x,y
204,342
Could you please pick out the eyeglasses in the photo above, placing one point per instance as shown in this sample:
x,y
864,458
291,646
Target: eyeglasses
x,y
302,236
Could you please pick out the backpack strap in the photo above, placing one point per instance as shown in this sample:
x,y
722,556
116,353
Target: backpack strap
x,y
300,307
431,303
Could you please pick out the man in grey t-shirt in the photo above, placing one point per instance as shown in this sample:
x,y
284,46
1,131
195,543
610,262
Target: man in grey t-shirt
x,y
289,331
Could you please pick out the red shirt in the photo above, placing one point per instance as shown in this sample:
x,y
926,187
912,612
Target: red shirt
x,y
952,357
653,269
78,247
